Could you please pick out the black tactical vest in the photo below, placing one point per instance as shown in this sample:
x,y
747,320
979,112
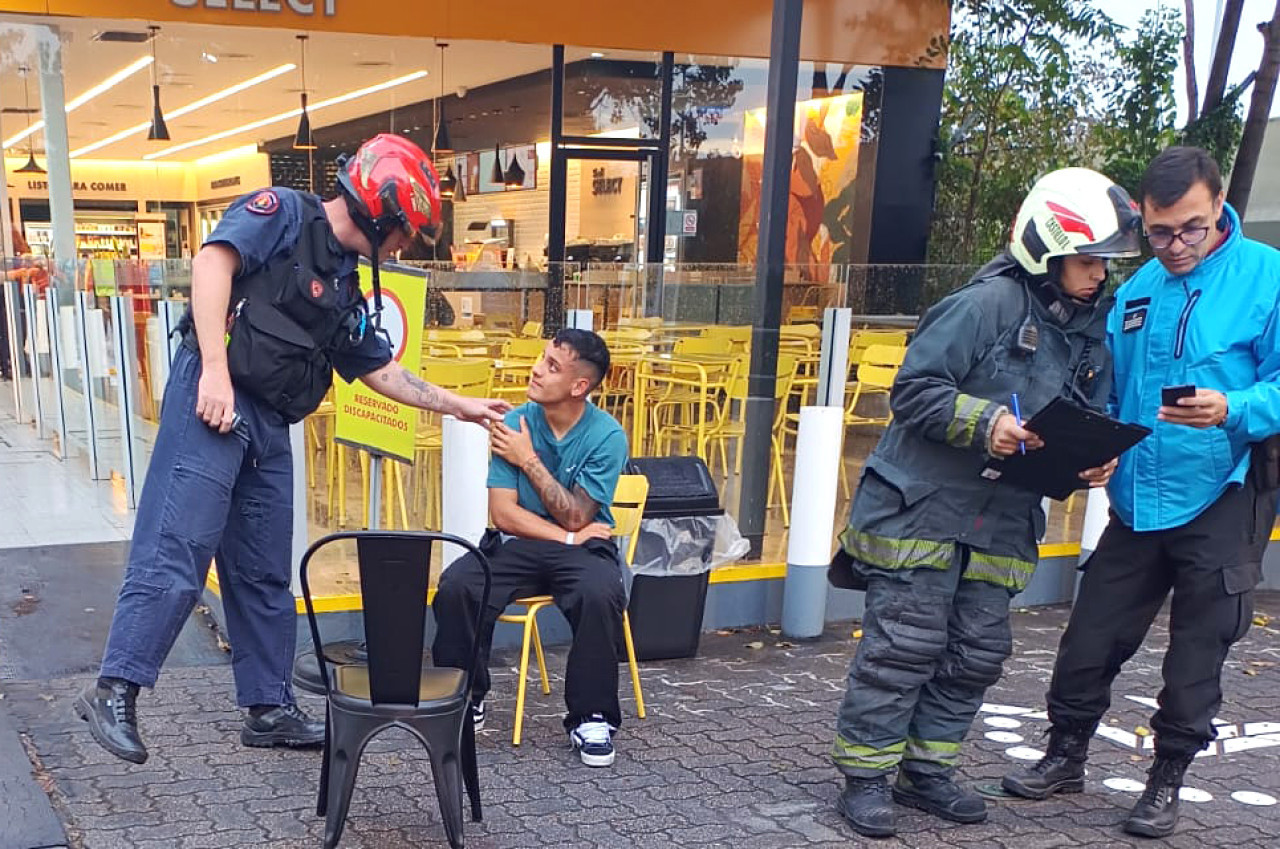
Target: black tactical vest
x,y
286,318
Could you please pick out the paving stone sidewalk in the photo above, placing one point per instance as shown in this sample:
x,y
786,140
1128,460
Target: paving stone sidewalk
x,y
732,754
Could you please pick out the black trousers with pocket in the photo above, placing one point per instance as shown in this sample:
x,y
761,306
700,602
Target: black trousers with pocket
x,y
1212,565
586,583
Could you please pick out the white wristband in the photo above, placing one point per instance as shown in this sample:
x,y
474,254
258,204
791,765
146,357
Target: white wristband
x,y
568,538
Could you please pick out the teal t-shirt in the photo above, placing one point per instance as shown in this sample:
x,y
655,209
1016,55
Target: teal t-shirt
x,y
591,455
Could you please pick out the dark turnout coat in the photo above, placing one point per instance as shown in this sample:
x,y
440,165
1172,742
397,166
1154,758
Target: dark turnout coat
x,y
922,492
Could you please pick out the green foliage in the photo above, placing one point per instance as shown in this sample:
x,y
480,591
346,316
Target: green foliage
x,y
1219,130
1014,107
1140,105
1034,85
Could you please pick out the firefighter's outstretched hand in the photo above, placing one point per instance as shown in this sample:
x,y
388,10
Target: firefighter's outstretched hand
x,y
1007,435
1098,477
481,410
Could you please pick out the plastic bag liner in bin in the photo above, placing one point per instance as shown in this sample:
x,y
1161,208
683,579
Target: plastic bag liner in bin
x,y
678,545
683,535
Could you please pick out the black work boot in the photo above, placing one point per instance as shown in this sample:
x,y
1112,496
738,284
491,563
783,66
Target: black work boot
x,y
110,706
1061,770
267,726
868,807
1156,813
938,795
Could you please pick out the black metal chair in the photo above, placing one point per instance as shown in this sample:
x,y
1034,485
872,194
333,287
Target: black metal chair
x,y
393,688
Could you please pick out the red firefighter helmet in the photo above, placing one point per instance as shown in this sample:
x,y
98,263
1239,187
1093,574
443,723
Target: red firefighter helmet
x,y
390,183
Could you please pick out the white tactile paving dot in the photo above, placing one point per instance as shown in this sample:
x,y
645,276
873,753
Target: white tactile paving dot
x,y
1249,797
1024,753
1002,722
1193,794
1003,737
1124,785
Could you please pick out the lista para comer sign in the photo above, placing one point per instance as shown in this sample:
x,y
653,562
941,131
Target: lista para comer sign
x,y
80,186
301,7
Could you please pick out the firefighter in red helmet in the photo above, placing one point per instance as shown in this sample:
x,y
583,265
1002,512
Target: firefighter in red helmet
x,y
276,308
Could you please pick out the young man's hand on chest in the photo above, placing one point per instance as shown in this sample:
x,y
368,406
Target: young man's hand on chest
x,y
514,446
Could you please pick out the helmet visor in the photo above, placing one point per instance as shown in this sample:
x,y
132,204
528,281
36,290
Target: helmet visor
x,y
1127,239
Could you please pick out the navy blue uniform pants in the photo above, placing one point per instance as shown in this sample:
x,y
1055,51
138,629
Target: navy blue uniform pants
x,y
1211,564
210,494
586,583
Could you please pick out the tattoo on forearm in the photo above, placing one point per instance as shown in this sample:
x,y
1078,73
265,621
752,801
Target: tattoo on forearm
x,y
423,394
570,509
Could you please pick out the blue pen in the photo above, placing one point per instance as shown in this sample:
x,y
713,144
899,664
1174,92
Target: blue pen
x,y
1017,414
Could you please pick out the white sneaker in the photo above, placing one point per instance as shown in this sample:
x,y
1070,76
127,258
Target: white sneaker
x,y
593,740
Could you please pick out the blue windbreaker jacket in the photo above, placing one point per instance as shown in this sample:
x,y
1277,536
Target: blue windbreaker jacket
x,y
1217,328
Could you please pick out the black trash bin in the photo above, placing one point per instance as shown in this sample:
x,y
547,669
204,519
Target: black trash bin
x,y
682,510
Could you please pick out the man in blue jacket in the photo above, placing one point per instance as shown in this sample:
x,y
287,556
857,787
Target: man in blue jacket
x,y
1188,512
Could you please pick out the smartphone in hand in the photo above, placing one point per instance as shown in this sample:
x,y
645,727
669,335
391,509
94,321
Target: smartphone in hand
x,y
1169,395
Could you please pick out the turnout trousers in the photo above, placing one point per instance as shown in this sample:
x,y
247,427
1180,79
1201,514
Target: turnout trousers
x,y
210,495
1212,565
933,640
586,583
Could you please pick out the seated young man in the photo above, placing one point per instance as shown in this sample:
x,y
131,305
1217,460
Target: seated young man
x,y
556,461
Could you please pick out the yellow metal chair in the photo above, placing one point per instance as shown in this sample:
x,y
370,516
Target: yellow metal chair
x,y
628,506
861,340
739,336
532,329
719,344
689,401
804,314
877,370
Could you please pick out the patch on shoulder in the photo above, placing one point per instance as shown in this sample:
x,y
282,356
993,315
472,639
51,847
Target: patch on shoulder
x,y
264,203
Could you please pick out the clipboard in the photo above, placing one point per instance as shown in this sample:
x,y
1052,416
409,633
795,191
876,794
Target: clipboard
x,y
1075,439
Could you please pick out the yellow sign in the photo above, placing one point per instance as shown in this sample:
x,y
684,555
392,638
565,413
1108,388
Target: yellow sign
x,y
366,419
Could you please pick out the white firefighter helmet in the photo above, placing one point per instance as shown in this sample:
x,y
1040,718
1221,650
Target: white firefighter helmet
x,y
1074,211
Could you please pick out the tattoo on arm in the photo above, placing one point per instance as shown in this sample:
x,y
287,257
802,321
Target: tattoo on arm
x,y
570,509
421,394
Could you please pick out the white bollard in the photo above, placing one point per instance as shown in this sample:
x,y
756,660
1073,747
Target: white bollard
x,y
813,507
464,469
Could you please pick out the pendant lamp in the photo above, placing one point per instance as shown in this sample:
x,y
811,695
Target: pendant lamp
x,y
159,130
448,183
460,189
496,176
515,174
302,140
31,167
441,146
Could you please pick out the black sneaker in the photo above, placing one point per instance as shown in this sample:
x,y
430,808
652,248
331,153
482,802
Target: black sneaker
x,y
282,725
594,741
477,715
110,708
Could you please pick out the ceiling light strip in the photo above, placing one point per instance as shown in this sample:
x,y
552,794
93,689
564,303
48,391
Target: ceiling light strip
x,y
292,113
110,82
190,107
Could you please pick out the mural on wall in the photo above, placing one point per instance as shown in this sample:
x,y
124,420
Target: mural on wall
x,y
824,165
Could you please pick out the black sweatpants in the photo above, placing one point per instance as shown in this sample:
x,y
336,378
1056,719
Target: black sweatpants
x,y
1212,564
586,583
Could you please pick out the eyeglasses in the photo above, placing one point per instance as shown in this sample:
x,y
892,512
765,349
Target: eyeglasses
x,y
1163,239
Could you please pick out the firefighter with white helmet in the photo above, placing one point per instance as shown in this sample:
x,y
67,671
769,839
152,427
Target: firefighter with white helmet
x,y
939,548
